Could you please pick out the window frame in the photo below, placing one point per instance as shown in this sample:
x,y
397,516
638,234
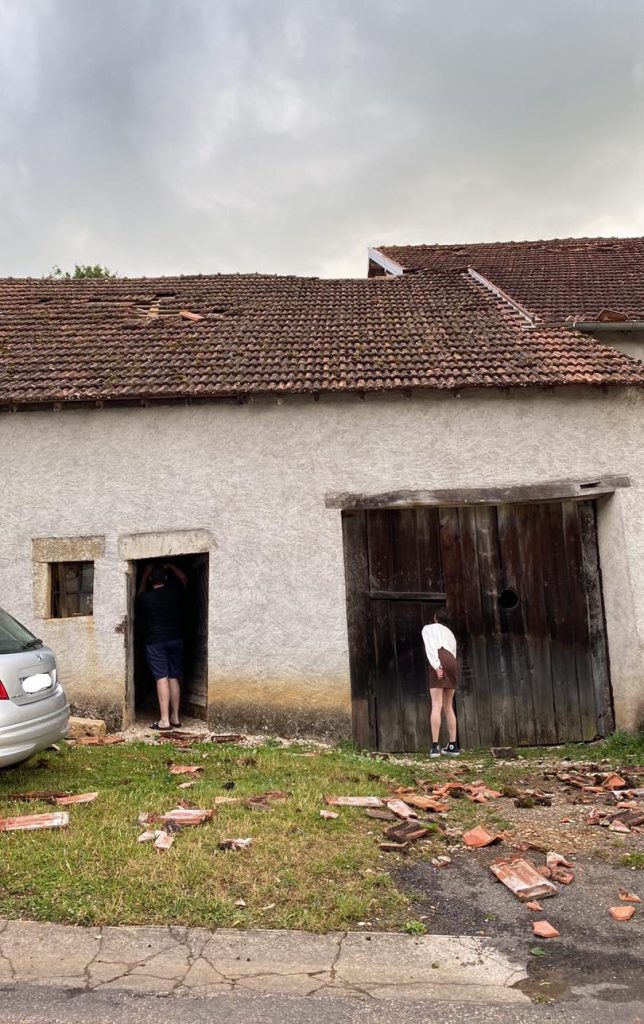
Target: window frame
x,y
63,598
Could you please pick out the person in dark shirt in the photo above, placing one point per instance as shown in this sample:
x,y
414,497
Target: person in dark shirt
x,y
161,612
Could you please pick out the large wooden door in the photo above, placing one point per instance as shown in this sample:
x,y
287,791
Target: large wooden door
x,y
522,584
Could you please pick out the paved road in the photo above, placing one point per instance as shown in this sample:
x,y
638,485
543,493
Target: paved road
x,y
42,1005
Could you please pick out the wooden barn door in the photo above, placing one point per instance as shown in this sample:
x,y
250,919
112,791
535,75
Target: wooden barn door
x,y
522,584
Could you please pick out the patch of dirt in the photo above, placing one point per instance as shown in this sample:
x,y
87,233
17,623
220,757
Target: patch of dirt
x,y
140,732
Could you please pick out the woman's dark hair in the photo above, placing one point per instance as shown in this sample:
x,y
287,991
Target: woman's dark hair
x,y
442,616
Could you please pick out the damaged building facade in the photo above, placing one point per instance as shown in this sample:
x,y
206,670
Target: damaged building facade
x,y
329,462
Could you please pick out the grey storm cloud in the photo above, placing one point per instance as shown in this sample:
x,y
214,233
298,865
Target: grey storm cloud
x,y
182,136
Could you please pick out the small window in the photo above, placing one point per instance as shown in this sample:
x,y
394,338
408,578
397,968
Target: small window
x,y
72,589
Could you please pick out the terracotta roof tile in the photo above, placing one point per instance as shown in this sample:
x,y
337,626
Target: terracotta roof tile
x,y
70,341
557,280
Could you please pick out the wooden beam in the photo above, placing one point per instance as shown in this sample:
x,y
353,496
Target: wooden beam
x,y
554,490
356,569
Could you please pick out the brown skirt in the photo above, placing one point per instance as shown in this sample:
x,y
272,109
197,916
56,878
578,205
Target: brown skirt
x,y
450,672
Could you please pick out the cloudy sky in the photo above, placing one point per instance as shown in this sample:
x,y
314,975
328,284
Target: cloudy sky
x,y
182,136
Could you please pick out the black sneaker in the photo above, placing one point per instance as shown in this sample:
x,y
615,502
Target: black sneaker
x,y
436,750
451,750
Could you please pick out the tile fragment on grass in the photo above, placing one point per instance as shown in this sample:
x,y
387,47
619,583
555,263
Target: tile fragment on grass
x,y
187,816
235,844
185,769
353,801
406,832
36,794
163,841
329,815
379,813
422,803
391,847
401,809
33,822
79,798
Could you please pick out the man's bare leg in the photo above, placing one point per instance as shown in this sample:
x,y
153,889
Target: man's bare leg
x,y
175,699
163,694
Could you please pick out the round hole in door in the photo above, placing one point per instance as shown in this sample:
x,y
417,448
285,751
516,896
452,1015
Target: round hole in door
x,y
508,599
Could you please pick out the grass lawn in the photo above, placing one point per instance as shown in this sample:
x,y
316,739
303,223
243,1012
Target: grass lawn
x,y
299,872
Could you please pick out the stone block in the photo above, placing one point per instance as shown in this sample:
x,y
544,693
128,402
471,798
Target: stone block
x,y
80,727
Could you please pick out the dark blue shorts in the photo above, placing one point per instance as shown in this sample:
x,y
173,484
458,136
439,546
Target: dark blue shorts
x,y
165,659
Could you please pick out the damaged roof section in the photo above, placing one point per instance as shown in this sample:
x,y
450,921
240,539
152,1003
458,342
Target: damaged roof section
x,y
226,336
561,280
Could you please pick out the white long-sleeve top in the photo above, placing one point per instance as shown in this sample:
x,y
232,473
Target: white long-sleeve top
x,y
434,637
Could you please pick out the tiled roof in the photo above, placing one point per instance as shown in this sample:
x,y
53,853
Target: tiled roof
x,y
559,280
238,335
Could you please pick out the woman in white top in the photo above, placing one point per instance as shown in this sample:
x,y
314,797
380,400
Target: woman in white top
x,y
442,671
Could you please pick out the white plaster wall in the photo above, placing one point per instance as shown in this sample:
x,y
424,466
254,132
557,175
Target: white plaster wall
x,y
255,476
629,342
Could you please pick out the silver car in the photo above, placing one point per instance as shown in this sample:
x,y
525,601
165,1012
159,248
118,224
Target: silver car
x,y
34,712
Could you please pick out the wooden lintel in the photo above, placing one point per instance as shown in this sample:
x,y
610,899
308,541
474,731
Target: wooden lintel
x,y
554,490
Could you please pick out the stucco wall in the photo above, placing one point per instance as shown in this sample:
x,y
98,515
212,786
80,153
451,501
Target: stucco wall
x,y
255,477
629,342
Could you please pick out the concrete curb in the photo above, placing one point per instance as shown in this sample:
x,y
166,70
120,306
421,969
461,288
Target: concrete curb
x,y
178,961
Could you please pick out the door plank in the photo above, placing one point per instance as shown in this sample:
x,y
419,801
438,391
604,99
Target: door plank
x,y
390,730
503,720
476,626
513,625
532,538
359,628
465,699
560,617
408,620
596,619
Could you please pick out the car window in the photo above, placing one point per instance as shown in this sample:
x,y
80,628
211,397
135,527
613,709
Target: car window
x,y
13,636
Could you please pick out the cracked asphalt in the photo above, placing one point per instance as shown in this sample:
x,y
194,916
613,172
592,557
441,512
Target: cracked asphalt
x,y
595,957
178,961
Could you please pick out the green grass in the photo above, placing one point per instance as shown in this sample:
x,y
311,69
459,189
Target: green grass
x,y
299,872
633,860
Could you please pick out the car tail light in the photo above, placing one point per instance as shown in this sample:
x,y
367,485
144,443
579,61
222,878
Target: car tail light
x,y
3,693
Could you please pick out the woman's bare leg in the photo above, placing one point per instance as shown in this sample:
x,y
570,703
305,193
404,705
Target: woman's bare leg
x,y
450,716
437,706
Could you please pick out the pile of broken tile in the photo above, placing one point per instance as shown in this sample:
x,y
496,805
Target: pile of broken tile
x,y
617,805
185,815
617,799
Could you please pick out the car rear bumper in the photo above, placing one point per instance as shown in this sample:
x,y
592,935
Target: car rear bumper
x,y
22,739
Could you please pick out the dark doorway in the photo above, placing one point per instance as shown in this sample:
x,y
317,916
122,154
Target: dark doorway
x,y
522,584
194,685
